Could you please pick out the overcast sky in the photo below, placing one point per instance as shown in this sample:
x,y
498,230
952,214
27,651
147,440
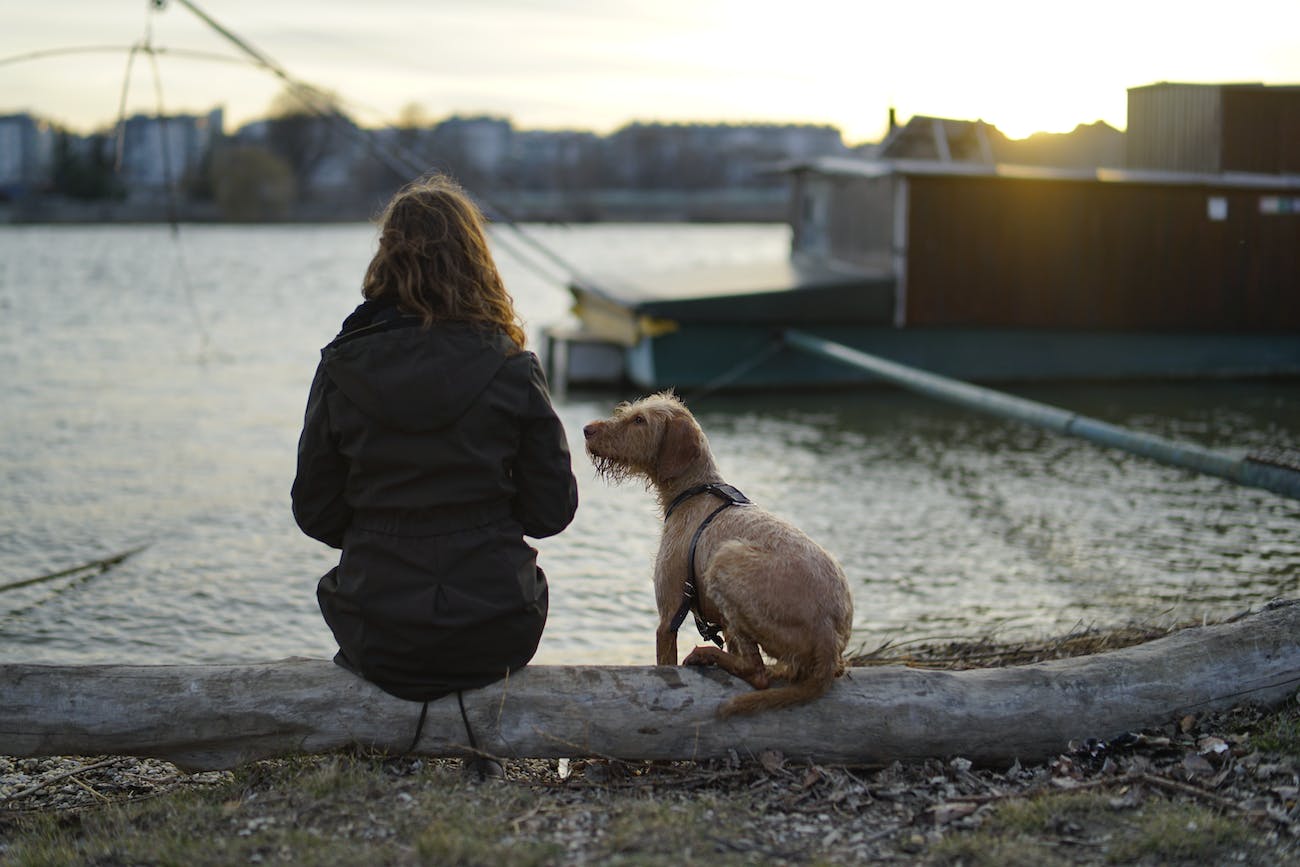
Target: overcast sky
x,y
598,64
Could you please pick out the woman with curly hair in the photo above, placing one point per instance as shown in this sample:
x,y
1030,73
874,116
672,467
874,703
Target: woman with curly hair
x,y
429,450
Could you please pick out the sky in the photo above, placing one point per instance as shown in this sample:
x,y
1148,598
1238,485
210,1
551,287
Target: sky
x,y
600,64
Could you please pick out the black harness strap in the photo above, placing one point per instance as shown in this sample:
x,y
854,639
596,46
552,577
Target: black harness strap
x,y
690,593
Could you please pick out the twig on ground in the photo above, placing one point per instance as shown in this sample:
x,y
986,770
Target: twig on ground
x,y
1198,792
91,789
1123,779
62,775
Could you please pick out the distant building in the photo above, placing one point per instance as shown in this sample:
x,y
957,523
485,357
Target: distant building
x,y
478,146
1214,128
947,140
1087,146
337,169
323,152
26,155
941,139
697,156
556,159
162,150
1200,235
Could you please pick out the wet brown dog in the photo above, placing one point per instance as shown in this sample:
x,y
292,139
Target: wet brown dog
x,y
762,581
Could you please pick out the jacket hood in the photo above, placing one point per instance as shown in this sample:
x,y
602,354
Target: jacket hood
x,y
413,378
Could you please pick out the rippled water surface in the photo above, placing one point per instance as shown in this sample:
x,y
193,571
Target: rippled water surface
x,y
152,387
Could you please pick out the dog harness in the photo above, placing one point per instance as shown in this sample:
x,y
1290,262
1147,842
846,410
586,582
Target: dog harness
x,y
690,594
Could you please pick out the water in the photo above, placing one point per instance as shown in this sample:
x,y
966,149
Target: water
x,y
151,391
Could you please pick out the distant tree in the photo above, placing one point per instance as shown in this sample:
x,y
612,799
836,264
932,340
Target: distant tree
x,y
414,116
302,128
375,183
197,182
83,168
251,184
473,150
292,101
413,136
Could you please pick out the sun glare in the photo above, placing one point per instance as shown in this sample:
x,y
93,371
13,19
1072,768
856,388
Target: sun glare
x,y
848,65
1023,67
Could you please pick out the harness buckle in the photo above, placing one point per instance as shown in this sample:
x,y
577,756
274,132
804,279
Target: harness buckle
x,y
709,631
690,594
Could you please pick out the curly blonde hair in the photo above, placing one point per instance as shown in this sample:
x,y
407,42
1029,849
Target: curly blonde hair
x,y
433,259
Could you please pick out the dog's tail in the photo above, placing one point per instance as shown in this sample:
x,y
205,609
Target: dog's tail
x,y
806,684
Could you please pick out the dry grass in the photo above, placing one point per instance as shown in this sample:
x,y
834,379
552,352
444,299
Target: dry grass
x,y
1156,800
988,653
1092,827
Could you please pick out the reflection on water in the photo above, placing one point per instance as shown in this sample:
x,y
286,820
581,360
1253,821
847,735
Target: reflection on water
x,y
950,524
152,396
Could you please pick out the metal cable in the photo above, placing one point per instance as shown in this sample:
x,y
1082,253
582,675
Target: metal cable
x,y
402,163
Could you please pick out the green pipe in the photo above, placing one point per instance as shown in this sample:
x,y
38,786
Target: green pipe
x,y
1243,471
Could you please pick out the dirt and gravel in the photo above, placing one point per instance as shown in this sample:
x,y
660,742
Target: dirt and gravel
x,y
1212,788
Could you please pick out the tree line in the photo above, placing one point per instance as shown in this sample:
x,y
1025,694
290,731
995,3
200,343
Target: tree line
x,y
293,160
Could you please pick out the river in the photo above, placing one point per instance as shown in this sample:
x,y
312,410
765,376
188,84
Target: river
x,y
152,387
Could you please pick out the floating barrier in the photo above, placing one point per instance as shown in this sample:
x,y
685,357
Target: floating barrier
x,y
1244,471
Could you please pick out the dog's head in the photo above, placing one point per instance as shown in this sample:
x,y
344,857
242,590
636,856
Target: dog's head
x,y
655,438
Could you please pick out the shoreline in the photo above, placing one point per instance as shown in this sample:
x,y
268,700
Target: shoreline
x,y
1230,799
1208,788
595,206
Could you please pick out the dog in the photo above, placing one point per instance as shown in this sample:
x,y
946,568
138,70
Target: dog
x,y
761,582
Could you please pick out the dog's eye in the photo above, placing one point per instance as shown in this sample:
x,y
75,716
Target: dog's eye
x,y
638,419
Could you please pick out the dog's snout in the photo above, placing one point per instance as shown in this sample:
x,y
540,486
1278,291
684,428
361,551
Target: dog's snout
x,y
589,430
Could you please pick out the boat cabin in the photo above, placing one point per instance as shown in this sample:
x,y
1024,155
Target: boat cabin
x,y
1000,246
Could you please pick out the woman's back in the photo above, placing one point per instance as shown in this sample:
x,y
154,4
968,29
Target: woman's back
x,y
447,417
429,450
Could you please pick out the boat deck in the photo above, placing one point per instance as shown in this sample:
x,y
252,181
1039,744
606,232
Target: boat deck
x,y
779,290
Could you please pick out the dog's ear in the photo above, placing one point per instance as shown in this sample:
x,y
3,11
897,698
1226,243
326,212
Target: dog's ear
x,y
679,448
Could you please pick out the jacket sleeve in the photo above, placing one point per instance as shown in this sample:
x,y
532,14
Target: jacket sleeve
x,y
319,506
546,493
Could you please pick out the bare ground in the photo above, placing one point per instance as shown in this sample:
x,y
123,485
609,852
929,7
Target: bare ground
x,y
1217,788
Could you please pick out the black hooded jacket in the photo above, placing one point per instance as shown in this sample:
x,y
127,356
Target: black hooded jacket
x,y
426,455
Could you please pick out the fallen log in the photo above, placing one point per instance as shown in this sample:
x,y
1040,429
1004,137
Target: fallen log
x,y
219,716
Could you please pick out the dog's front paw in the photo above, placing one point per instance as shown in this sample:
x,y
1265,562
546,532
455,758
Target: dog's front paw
x,y
707,655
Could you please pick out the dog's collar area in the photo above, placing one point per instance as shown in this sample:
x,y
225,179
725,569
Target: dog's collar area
x,y
725,492
690,593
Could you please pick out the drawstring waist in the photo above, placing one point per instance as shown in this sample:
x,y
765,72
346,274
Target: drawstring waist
x,y
433,519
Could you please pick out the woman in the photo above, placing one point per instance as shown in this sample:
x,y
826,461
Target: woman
x,y
429,450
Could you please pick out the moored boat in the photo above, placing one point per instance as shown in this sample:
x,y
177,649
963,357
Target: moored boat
x,y
988,273
980,270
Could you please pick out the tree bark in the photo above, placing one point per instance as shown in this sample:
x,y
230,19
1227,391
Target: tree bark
x,y
219,716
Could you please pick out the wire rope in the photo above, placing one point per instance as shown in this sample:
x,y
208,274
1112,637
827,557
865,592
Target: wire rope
x,y
397,159
145,46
